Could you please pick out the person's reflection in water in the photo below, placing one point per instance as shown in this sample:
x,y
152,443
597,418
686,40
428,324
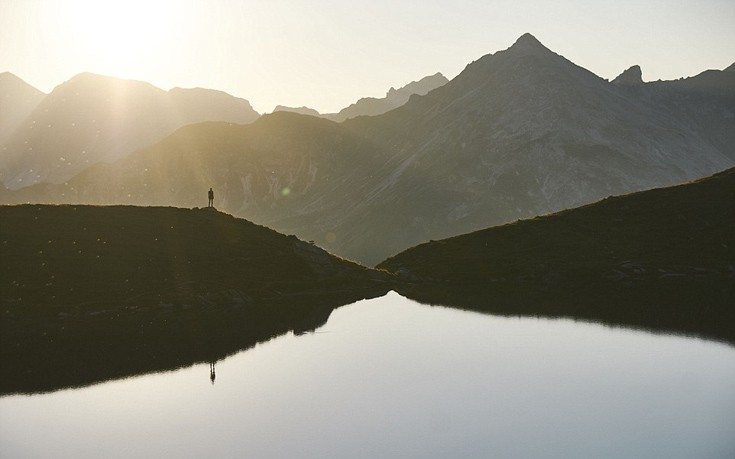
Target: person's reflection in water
x,y
212,375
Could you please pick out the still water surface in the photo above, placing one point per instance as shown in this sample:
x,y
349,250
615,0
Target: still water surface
x,y
392,378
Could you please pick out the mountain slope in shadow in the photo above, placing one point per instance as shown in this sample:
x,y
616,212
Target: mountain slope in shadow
x,y
93,293
662,259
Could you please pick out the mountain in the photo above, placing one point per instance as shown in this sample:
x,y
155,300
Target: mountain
x,y
92,118
662,259
294,173
195,105
718,83
17,101
631,77
371,106
299,110
525,132
705,101
91,293
518,133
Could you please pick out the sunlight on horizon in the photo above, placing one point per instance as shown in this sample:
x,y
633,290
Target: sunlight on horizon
x,y
327,54
119,38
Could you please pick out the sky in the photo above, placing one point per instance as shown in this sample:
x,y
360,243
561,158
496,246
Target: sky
x,y
326,54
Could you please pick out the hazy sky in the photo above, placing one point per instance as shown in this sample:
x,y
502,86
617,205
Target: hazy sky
x,y
326,54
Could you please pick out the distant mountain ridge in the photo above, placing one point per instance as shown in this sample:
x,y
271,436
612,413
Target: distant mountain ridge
x,y
93,118
299,110
518,133
372,106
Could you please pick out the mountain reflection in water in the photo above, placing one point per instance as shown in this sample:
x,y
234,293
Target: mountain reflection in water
x,y
394,378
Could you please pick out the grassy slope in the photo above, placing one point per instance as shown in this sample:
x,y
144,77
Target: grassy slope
x,y
89,293
661,259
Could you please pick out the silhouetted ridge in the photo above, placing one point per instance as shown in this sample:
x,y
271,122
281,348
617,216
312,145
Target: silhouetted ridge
x,y
731,68
124,290
718,83
661,259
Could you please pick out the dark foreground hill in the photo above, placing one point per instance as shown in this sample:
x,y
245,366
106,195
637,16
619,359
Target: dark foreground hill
x,y
662,259
92,293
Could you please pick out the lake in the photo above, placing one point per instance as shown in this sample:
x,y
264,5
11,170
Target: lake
x,y
390,377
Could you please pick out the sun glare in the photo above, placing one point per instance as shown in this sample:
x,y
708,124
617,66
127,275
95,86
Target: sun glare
x,y
119,36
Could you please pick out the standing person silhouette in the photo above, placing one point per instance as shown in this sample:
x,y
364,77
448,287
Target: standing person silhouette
x,y
211,198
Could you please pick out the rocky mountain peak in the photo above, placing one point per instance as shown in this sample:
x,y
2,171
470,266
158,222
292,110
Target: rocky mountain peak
x,y
527,43
631,77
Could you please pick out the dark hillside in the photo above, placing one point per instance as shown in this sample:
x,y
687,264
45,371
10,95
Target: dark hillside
x,y
90,293
661,259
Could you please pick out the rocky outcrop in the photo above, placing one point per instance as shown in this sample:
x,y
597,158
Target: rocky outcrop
x,y
631,77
